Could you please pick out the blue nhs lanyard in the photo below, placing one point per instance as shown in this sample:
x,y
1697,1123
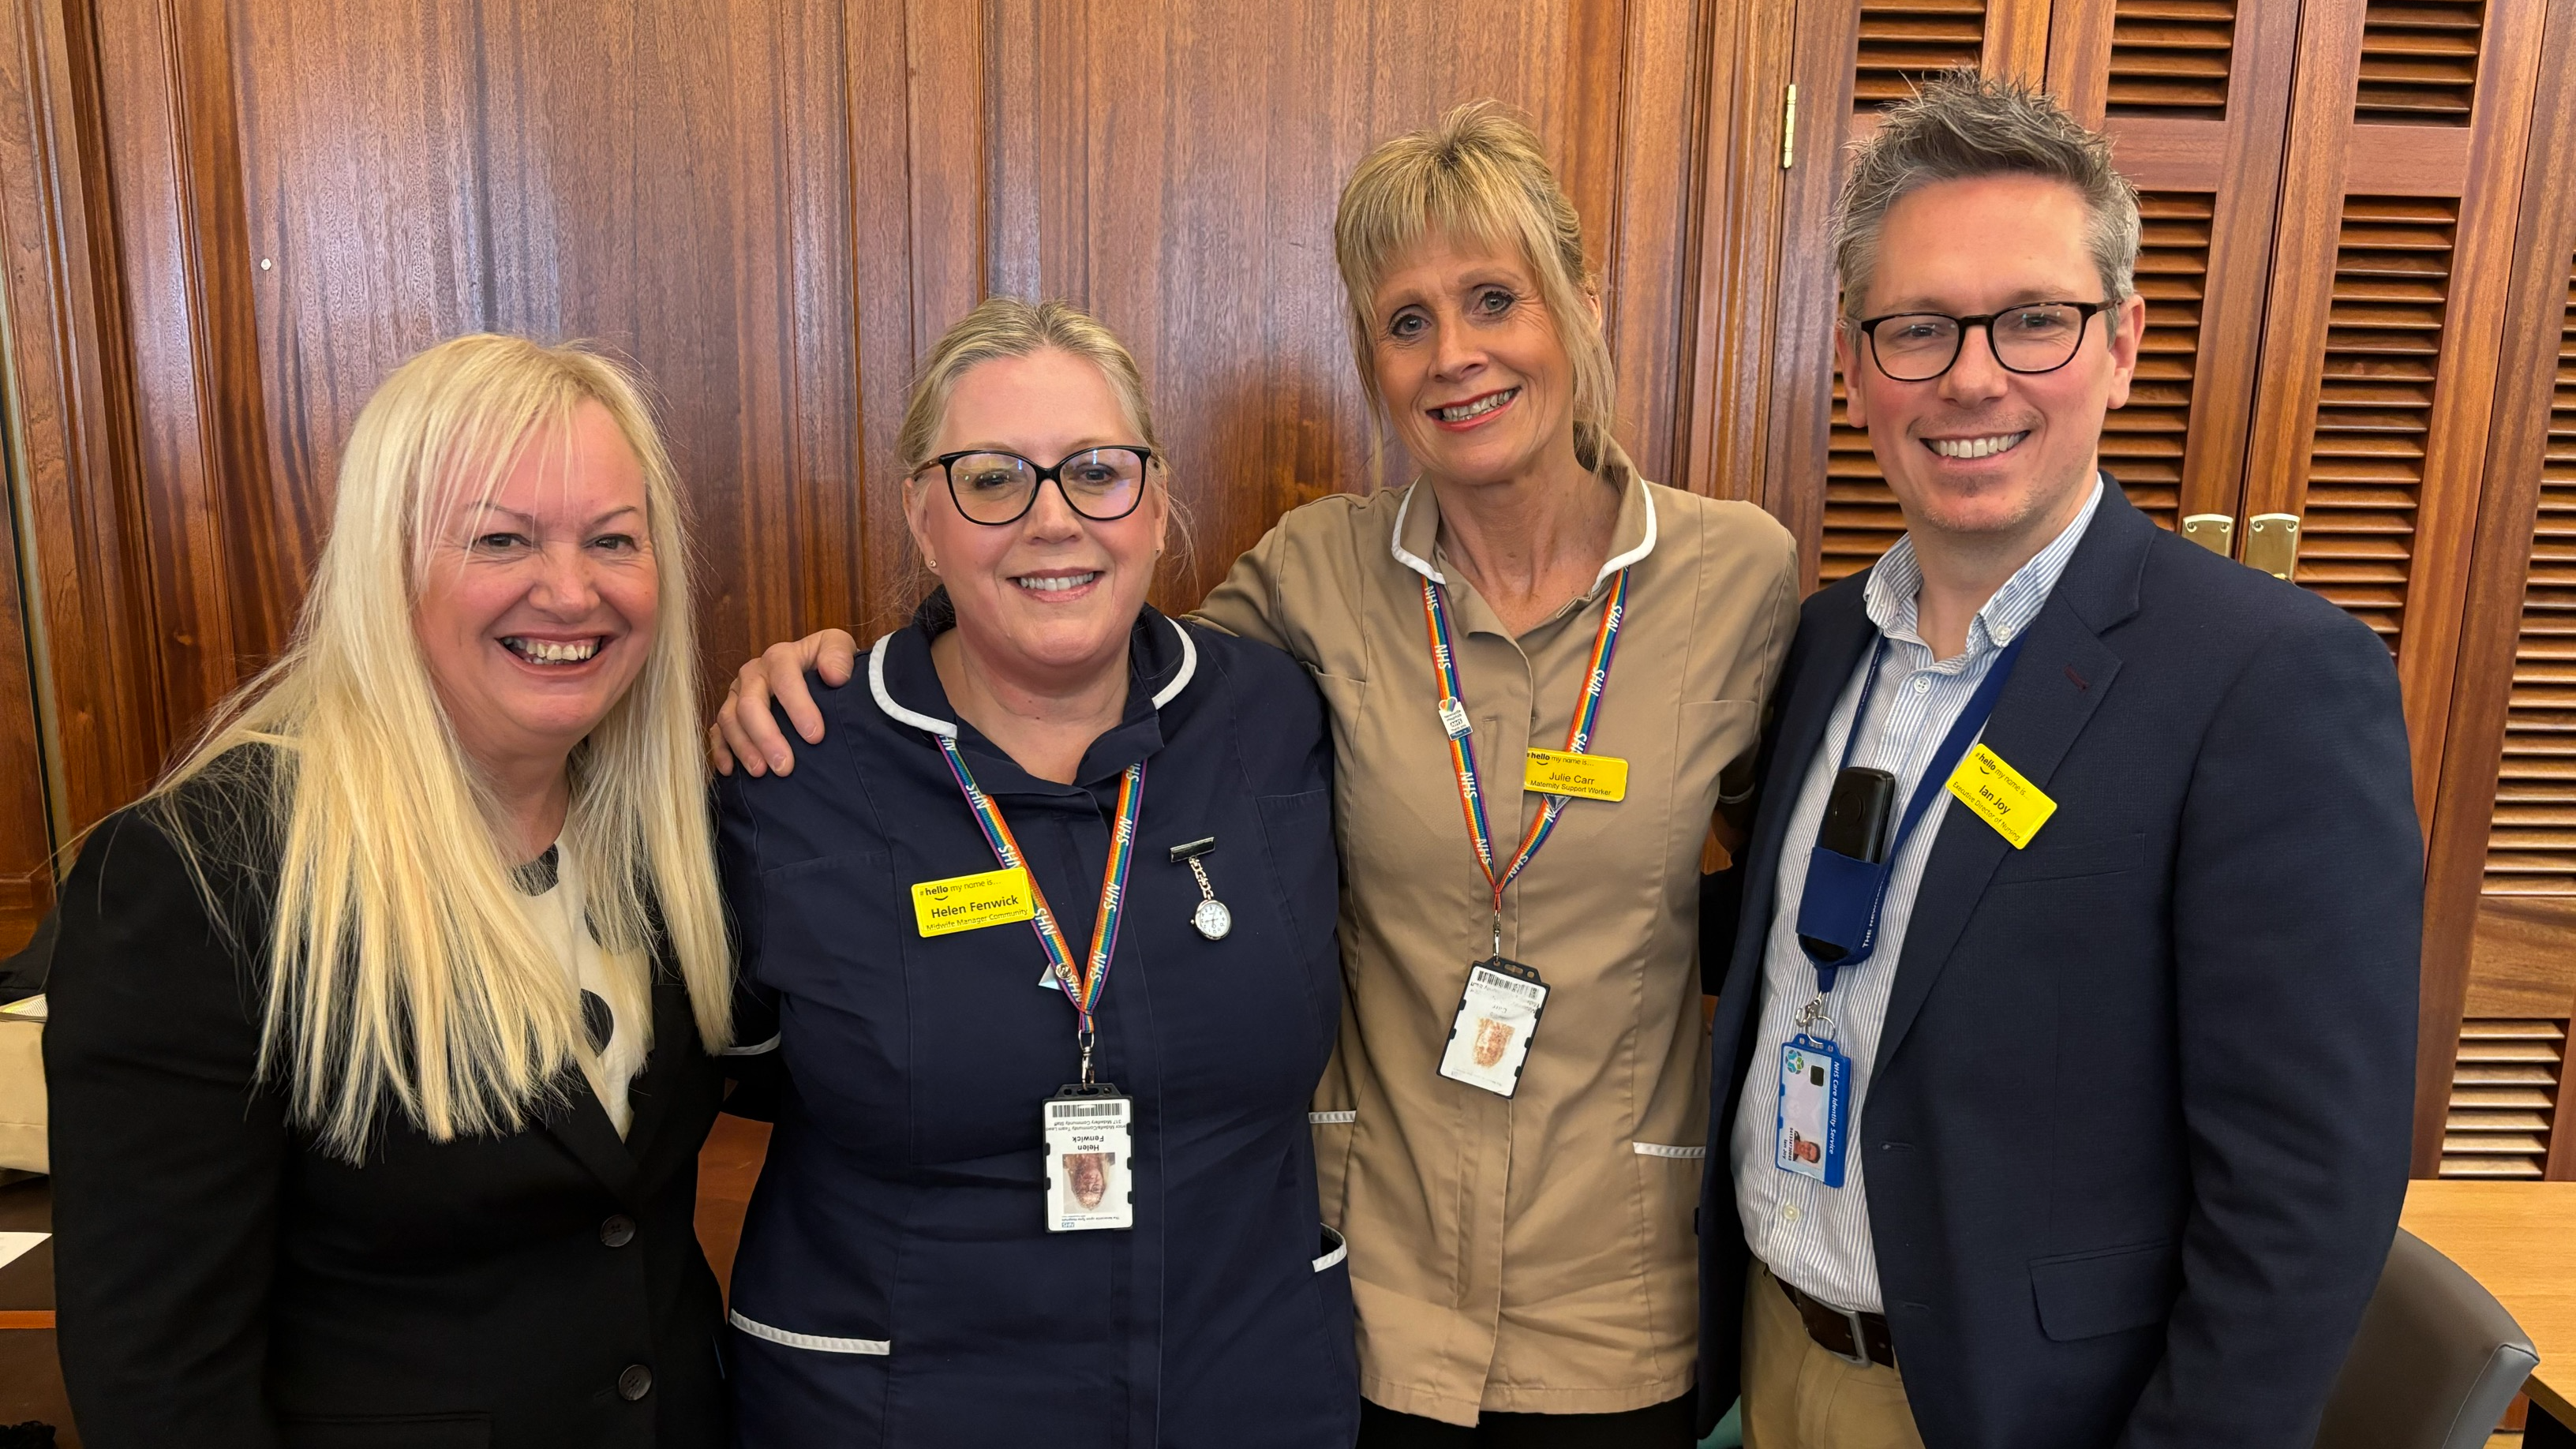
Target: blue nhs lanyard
x,y
1846,883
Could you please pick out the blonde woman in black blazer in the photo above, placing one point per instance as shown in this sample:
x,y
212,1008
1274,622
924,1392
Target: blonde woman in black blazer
x,y
381,1032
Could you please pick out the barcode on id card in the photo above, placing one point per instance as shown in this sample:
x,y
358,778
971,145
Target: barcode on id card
x,y
1510,986
1074,1112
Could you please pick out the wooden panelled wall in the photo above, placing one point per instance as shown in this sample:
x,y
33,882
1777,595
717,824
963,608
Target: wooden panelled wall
x,y
222,221
225,222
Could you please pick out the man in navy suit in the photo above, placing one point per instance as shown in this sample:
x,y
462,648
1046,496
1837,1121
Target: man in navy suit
x,y
2071,1106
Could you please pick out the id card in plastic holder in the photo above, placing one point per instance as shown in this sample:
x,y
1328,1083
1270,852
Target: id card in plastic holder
x,y
1810,1132
1090,1160
1497,1016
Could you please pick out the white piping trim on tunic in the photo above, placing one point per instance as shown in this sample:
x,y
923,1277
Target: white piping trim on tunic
x,y
876,1347
1406,556
1341,1250
1189,666
1646,496
948,728
1332,1119
1658,1149
770,1045
1422,566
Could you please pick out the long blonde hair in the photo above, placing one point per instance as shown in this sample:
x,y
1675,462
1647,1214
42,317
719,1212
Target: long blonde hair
x,y
402,971
1478,176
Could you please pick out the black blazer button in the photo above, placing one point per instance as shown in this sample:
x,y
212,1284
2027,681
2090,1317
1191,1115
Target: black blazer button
x,y
617,1232
635,1383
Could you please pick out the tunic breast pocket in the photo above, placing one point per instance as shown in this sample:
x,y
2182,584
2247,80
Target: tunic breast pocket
x,y
829,924
1299,832
1718,736
832,947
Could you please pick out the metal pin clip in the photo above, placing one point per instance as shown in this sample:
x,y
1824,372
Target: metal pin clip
x,y
1812,1013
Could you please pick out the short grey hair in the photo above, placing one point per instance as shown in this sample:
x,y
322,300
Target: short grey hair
x,y
1963,124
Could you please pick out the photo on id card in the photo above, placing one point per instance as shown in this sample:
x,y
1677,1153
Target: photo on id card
x,y
1810,1129
1497,1016
1089,1165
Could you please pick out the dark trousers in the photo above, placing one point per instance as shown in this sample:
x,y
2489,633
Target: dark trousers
x,y
1663,1426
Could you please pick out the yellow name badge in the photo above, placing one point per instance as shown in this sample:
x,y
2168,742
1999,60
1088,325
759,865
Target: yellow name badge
x,y
1586,777
971,902
2015,807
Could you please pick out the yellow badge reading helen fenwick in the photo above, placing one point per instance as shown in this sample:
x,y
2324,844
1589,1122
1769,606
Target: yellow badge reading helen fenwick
x,y
2001,797
967,902
1586,777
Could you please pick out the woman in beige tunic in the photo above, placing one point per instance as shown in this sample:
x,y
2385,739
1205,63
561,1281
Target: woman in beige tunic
x,y
1516,1187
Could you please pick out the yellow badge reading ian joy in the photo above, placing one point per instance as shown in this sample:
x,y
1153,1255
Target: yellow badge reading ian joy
x,y
1586,777
970,902
2015,807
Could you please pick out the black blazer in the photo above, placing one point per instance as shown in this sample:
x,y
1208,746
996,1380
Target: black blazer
x,y
222,1283
2165,1233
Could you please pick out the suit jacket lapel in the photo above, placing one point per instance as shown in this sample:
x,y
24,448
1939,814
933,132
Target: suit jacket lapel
x,y
2060,679
581,1124
675,1040
1841,633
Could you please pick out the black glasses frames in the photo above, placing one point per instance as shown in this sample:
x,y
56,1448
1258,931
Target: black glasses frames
x,y
1101,484
2034,338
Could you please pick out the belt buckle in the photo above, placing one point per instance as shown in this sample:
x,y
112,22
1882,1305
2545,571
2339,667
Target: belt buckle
x,y
1859,1356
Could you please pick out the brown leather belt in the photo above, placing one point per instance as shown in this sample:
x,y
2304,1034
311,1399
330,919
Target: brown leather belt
x,y
1861,1338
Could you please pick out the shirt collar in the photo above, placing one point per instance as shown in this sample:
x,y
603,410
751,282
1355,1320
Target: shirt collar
x,y
1416,536
1895,587
1161,662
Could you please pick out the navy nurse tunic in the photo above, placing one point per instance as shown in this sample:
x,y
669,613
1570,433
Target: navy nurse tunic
x,y
895,1284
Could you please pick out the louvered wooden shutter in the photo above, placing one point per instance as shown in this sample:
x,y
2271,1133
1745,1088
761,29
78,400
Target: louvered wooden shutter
x,y
2504,1095
2143,443
1902,41
2531,845
1862,520
2419,62
2375,403
2170,58
2399,206
2500,945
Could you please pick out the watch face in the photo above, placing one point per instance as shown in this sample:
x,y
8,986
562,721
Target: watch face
x,y
1213,920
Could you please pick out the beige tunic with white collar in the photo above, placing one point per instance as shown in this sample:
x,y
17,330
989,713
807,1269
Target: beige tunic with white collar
x,y
1531,1254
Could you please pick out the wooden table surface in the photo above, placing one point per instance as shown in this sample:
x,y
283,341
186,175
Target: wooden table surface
x,y
2518,1239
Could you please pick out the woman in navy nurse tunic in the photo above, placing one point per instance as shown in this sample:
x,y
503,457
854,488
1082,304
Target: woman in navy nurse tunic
x,y
898,1281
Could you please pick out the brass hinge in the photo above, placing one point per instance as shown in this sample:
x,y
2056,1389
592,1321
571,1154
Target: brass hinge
x,y
1789,129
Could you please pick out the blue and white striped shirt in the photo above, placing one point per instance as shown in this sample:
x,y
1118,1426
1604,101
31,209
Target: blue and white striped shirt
x,y
1813,1236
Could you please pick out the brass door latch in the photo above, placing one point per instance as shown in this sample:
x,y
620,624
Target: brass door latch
x,y
2272,544
2213,531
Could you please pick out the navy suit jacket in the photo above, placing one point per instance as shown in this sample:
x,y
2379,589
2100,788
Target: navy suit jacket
x,y
2137,1133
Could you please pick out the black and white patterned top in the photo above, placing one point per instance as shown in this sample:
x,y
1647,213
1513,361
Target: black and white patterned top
x,y
615,1005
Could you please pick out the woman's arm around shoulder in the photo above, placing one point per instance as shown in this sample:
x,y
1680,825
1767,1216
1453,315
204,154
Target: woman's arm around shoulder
x,y
1274,711
1306,572
168,1160
1748,585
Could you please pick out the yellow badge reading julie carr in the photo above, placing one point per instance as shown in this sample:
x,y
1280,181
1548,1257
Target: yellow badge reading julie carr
x,y
1585,777
2015,807
970,902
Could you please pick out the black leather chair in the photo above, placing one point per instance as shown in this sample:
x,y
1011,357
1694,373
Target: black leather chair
x,y
2435,1364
